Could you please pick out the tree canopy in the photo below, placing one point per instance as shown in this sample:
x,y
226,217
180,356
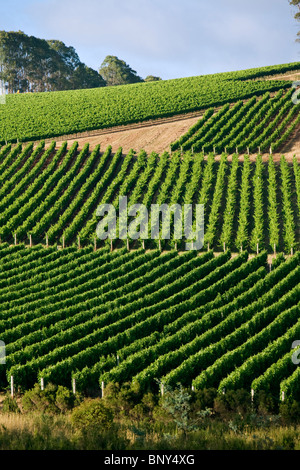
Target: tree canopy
x,y
30,64
152,78
116,72
297,15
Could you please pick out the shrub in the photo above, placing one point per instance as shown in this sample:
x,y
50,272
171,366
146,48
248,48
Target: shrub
x,y
53,399
265,403
290,412
10,405
204,399
64,399
92,413
233,401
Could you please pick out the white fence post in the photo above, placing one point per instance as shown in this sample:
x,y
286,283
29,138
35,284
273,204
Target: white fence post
x,y
12,386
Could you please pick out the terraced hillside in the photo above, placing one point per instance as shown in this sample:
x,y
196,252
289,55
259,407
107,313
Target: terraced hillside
x,y
201,320
139,309
51,196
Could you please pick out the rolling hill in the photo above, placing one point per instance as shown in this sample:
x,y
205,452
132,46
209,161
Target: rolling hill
x,y
74,307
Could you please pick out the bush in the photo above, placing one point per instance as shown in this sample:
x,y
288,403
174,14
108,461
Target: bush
x,y
10,405
92,413
290,412
204,399
53,399
265,403
64,399
232,402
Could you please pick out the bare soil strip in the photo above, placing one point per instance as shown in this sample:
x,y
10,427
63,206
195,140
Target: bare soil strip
x,y
157,138
151,138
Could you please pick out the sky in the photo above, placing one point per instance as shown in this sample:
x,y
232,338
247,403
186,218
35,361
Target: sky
x,y
165,38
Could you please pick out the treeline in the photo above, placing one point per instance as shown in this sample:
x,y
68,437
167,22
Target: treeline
x,y
30,64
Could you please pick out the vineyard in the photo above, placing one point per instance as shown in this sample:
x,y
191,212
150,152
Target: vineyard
x,y
259,125
50,196
76,309
34,116
199,319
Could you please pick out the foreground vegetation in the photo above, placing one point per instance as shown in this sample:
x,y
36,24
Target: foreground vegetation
x,y
125,419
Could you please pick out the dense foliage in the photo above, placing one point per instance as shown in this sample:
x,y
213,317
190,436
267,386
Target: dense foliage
x,y
30,64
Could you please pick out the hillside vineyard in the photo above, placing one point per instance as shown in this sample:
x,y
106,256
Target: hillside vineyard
x,y
200,319
51,195
258,125
79,310
33,116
